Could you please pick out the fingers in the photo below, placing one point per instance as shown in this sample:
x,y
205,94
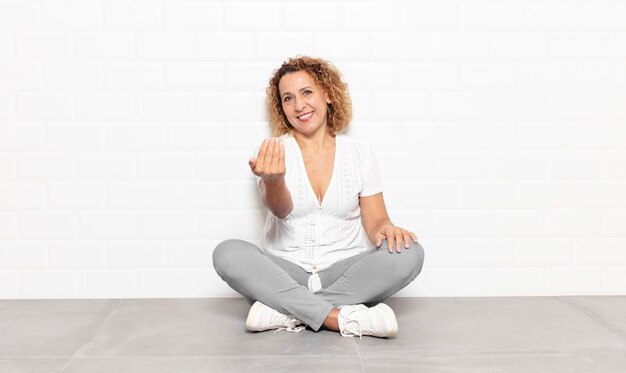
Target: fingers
x,y
277,148
256,163
407,239
281,157
379,239
271,150
390,243
263,152
386,234
396,238
398,241
252,163
391,238
270,162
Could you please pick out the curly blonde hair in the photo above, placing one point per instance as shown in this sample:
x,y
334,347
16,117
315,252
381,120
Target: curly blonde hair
x,y
327,77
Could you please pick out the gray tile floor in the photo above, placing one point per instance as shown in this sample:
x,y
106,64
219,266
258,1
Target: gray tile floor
x,y
503,334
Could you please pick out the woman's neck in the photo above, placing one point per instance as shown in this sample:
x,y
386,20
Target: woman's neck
x,y
316,143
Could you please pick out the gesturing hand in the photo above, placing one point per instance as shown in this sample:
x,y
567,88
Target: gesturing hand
x,y
394,235
270,162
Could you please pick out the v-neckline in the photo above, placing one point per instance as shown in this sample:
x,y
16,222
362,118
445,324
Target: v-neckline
x,y
319,203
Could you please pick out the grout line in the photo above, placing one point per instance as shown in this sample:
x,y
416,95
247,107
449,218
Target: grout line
x,y
423,353
27,357
177,356
90,337
358,354
599,319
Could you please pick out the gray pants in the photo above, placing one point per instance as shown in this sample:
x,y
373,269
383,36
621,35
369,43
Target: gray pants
x,y
367,278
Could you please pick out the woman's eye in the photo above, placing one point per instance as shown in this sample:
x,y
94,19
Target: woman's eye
x,y
287,99
307,92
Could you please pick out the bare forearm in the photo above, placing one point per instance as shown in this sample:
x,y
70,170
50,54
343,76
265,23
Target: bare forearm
x,y
276,197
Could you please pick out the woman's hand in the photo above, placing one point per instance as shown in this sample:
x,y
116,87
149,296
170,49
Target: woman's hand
x,y
270,162
395,236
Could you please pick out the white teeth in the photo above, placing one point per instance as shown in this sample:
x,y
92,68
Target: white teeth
x,y
305,116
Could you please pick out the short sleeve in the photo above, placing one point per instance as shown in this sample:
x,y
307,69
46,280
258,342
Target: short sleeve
x,y
372,183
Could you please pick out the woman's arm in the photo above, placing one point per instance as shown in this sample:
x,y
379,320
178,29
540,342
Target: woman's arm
x,y
276,197
373,214
378,226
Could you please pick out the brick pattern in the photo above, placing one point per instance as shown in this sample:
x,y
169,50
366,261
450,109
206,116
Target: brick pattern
x,y
125,128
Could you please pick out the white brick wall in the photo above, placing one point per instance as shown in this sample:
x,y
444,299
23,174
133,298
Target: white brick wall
x,y
125,129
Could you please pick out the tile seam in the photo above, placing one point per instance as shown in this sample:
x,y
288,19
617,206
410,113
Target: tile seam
x,y
91,335
596,317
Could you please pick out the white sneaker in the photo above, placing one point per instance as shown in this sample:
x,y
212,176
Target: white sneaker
x,y
262,317
377,321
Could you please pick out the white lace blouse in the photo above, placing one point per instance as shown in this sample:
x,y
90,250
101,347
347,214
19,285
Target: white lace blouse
x,y
314,235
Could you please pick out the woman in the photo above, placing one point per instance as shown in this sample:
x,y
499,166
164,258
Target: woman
x,y
328,247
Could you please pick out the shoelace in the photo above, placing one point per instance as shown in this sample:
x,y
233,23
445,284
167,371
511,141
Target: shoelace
x,y
354,331
291,327
347,328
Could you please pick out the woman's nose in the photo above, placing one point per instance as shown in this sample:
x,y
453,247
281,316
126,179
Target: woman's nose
x,y
299,104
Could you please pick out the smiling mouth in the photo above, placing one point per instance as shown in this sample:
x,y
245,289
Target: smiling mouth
x,y
305,117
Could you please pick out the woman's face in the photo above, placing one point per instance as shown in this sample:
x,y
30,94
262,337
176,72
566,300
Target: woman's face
x,y
304,102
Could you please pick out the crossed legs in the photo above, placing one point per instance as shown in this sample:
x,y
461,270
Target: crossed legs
x,y
366,278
